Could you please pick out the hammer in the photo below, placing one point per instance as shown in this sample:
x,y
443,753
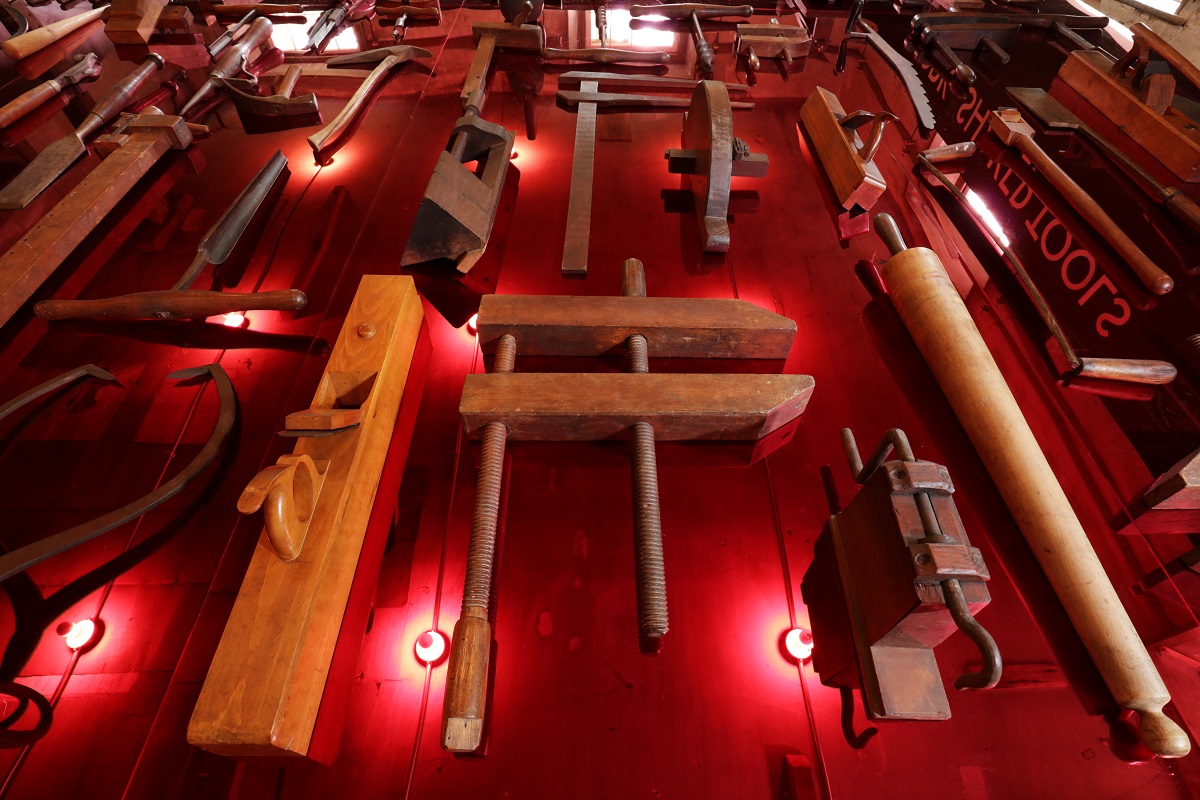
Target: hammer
x,y
277,112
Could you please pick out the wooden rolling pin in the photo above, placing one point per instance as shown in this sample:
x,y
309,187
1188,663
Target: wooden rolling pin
x,y
1015,132
940,324
29,43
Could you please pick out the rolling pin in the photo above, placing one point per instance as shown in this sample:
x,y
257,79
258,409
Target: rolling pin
x,y
943,330
27,44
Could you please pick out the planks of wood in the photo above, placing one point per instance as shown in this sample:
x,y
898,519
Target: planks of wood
x,y
268,677
674,327
597,406
855,182
1165,138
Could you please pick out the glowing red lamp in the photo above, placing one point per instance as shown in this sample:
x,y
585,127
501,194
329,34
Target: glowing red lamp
x,y
79,634
799,643
473,324
430,647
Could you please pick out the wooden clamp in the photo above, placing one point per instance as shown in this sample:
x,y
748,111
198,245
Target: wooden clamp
x,y
128,154
711,155
645,407
456,214
845,159
269,675
908,577
785,42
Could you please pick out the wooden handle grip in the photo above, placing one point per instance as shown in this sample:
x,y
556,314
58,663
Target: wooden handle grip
x,y
1182,208
27,102
685,11
342,121
1151,276
466,683
29,43
171,305
414,12
947,337
1169,54
607,55
1130,370
287,494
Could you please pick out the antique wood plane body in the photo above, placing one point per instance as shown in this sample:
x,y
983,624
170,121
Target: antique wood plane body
x,y
712,155
598,406
846,160
896,571
312,575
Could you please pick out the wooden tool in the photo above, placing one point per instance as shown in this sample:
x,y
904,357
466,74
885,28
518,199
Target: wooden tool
x,y
1178,488
180,300
385,59
279,111
333,19
133,22
129,153
857,30
86,68
399,17
504,405
938,320
897,566
278,655
231,64
1171,139
712,155
1115,369
931,37
586,101
27,44
1015,132
846,160
694,12
784,42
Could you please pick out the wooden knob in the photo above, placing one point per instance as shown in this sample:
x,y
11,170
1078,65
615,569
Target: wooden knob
x,y
1162,736
287,494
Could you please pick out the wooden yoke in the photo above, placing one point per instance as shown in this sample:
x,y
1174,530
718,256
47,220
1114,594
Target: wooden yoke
x,y
638,405
712,156
129,153
268,677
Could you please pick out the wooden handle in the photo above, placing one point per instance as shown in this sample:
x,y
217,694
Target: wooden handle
x,y
1130,370
287,494
1153,278
466,682
171,305
120,95
413,12
1181,208
1169,54
475,85
606,55
342,121
227,12
947,337
287,83
27,102
29,43
685,11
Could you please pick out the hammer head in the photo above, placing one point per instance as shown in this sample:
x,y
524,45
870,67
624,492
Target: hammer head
x,y
276,112
400,51
1008,125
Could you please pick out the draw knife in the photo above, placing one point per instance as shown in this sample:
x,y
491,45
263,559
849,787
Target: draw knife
x,y
49,386
23,558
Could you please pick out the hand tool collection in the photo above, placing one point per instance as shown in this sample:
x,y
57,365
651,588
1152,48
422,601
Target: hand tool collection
x,y
893,573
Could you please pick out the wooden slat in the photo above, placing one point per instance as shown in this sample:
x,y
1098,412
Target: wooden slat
x,y
596,406
1179,487
674,327
579,205
265,686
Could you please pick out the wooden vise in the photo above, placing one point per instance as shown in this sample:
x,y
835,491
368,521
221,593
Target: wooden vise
x,y
892,577
295,629
646,407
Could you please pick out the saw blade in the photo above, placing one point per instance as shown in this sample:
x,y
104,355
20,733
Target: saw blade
x,y
908,74
42,171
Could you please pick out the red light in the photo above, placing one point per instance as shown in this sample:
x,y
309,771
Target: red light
x,y
473,324
430,646
77,634
799,643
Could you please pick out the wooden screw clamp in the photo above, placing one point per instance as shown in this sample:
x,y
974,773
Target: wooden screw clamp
x,y
268,679
504,405
938,320
712,155
909,577
785,42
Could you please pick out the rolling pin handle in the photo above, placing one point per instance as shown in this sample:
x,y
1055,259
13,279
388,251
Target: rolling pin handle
x,y
887,230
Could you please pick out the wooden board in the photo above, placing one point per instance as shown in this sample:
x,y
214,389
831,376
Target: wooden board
x,y
592,407
267,679
674,327
579,204
855,182
1164,138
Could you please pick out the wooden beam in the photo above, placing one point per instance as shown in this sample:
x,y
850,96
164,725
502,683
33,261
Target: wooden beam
x,y
674,327
597,406
579,204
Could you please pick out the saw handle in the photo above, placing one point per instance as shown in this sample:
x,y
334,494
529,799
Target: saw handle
x,y
171,305
606,55
686,10
346,116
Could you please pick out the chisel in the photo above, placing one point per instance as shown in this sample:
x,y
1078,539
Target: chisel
x,y
59,156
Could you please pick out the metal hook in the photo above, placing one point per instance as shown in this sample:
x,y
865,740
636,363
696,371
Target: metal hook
x,y
894,438
989,675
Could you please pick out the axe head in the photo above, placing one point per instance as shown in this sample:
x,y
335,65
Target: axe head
x,y
401,51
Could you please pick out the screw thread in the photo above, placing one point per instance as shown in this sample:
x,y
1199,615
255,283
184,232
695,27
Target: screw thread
x,y
651,574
